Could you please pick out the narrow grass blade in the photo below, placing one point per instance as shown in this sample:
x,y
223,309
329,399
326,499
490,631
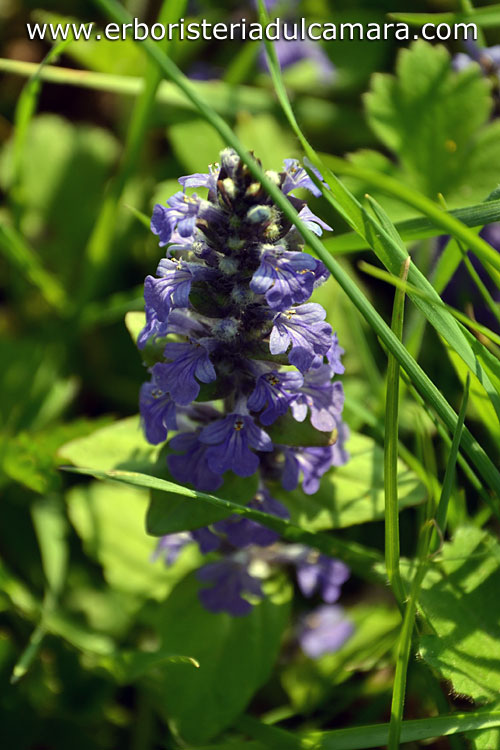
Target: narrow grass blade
x,y
379,273
391,451
464,465
404,645
25,110
412,230
442,508
371,735
414,730
361,559
23,257
444,220
50,528
226,99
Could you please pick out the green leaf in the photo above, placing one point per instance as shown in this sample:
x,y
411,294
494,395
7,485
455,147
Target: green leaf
x,y
429,115
235,654
486,739
353,493
121,445
30,457
458,598
51,530
110,521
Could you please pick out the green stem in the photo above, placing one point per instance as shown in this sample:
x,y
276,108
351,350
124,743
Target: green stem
x,y
391,452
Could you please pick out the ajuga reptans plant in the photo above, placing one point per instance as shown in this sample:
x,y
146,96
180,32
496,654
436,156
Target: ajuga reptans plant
x,y
241,350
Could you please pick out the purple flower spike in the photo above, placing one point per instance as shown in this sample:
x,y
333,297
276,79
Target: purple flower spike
x,y
231,440
324,631
230,581
190,361
276,391
229,298
200,179
304,328
322,574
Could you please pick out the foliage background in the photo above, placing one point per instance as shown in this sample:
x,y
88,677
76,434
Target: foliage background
x,y
99,621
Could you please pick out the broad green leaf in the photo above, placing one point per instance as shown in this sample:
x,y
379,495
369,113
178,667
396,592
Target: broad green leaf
x,y
353,493
459,599
30,457
121,445
235,654
429,115
486,739
110,521
55,152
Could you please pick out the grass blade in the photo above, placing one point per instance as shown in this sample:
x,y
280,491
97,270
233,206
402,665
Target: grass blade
x,y
391,451
414,730
442,508
27,262
361,559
